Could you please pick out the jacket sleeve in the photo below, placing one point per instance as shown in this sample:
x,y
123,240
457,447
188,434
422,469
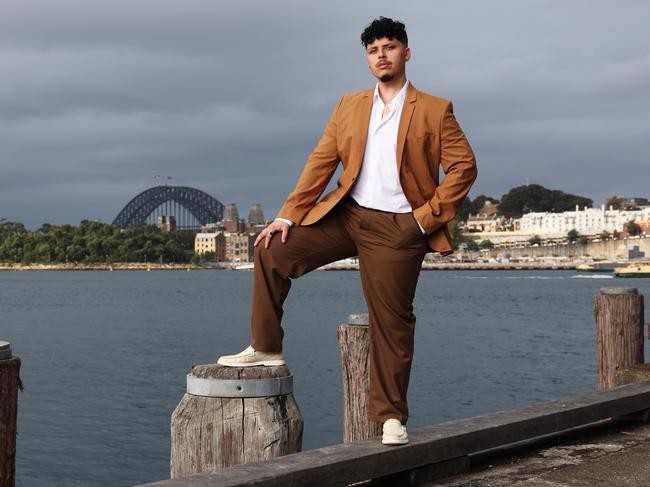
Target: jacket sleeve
x,y
316,174
459,164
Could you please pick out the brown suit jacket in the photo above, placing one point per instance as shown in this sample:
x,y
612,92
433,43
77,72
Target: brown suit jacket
x,y
428,136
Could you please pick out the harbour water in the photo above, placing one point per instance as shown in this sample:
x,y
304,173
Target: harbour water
x,y
105,354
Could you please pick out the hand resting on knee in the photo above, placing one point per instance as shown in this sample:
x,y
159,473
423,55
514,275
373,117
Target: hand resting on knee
x,y
267,233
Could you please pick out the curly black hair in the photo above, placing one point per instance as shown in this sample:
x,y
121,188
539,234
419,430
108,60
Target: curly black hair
x,y
384,27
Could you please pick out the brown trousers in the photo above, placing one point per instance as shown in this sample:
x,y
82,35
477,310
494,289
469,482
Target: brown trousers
x,y
391,248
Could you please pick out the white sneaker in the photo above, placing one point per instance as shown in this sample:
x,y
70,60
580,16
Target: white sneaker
x,y
251,357
394,433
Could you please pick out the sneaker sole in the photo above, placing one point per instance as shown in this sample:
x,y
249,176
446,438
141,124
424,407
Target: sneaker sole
x,y
269,363
394,441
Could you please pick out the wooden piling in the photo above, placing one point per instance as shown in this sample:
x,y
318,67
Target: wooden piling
x,y
9,385
432,448
354,342
234,415
619,332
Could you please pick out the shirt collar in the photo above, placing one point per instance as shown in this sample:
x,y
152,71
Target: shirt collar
x,y
397,99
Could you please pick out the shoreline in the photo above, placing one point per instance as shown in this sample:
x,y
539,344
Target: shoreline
x,y
471,266
129,266
138,266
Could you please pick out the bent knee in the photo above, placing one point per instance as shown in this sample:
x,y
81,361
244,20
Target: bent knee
x,y
276,253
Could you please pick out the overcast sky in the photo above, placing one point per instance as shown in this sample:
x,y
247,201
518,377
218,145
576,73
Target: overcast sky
x,y
97,97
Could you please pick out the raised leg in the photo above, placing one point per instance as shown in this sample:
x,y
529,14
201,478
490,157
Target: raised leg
x,y
306,249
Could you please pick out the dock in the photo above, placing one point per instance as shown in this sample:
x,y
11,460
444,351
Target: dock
x,y
612,453
599,438
437,451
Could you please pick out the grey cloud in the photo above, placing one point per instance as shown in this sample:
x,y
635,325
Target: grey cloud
x,y
97,97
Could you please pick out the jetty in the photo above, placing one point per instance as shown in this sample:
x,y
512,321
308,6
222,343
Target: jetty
x,y
450,448
601,438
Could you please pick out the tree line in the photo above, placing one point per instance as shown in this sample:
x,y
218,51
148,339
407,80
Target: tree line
x,y
92,242
526,199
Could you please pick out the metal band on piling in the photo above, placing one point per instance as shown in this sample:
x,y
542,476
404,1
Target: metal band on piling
x,y
274,386
620,290
360,319
5,350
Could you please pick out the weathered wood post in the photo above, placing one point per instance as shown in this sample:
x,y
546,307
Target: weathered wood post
x,y
9,385
234,415
619,332
354,342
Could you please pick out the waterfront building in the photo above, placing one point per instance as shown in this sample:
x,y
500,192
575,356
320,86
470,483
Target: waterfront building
x,y
166,223
487,219
231,223
633,202
226,246
210,228
211,242
231,213
485,223
239,247
589,221
255,215
231,226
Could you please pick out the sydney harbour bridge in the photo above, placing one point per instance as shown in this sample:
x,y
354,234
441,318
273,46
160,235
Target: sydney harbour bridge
x,y
191,208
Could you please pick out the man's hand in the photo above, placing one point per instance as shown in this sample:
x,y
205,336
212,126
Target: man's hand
x,y
267,233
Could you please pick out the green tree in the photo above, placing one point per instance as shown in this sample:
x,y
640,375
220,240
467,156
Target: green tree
x,y
472,245
632,228
207,256
474,206
615,202
583,239
572,235
604,235
534,197
486,244
92,242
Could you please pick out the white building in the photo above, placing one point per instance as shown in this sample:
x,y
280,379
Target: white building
x,y
589,221
483,223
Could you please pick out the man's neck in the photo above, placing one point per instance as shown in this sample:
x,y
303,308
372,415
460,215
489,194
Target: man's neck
x,y
388,90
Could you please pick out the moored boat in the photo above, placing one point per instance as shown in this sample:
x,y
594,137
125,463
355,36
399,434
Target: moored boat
x,y
633,270
599,266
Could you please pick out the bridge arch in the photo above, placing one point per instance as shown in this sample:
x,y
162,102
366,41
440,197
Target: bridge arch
x,y
170,200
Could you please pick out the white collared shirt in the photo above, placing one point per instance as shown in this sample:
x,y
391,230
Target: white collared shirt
x,y
378,184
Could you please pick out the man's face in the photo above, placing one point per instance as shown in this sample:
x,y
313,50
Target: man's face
x,y
387,58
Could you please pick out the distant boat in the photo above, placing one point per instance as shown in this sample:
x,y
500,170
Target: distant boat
x,y
246,266
599,266
633,270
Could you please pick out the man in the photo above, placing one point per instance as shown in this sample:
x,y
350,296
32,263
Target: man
x,y
388,208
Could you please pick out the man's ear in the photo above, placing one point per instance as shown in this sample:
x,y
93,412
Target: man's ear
x,y
407,53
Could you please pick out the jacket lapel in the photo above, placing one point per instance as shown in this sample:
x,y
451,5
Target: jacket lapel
x,y
405,122
363,123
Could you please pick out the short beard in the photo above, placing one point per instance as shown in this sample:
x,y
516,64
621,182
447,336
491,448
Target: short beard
x,y
386,78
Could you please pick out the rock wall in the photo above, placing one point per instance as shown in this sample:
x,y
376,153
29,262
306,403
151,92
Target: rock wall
x,y
608,249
